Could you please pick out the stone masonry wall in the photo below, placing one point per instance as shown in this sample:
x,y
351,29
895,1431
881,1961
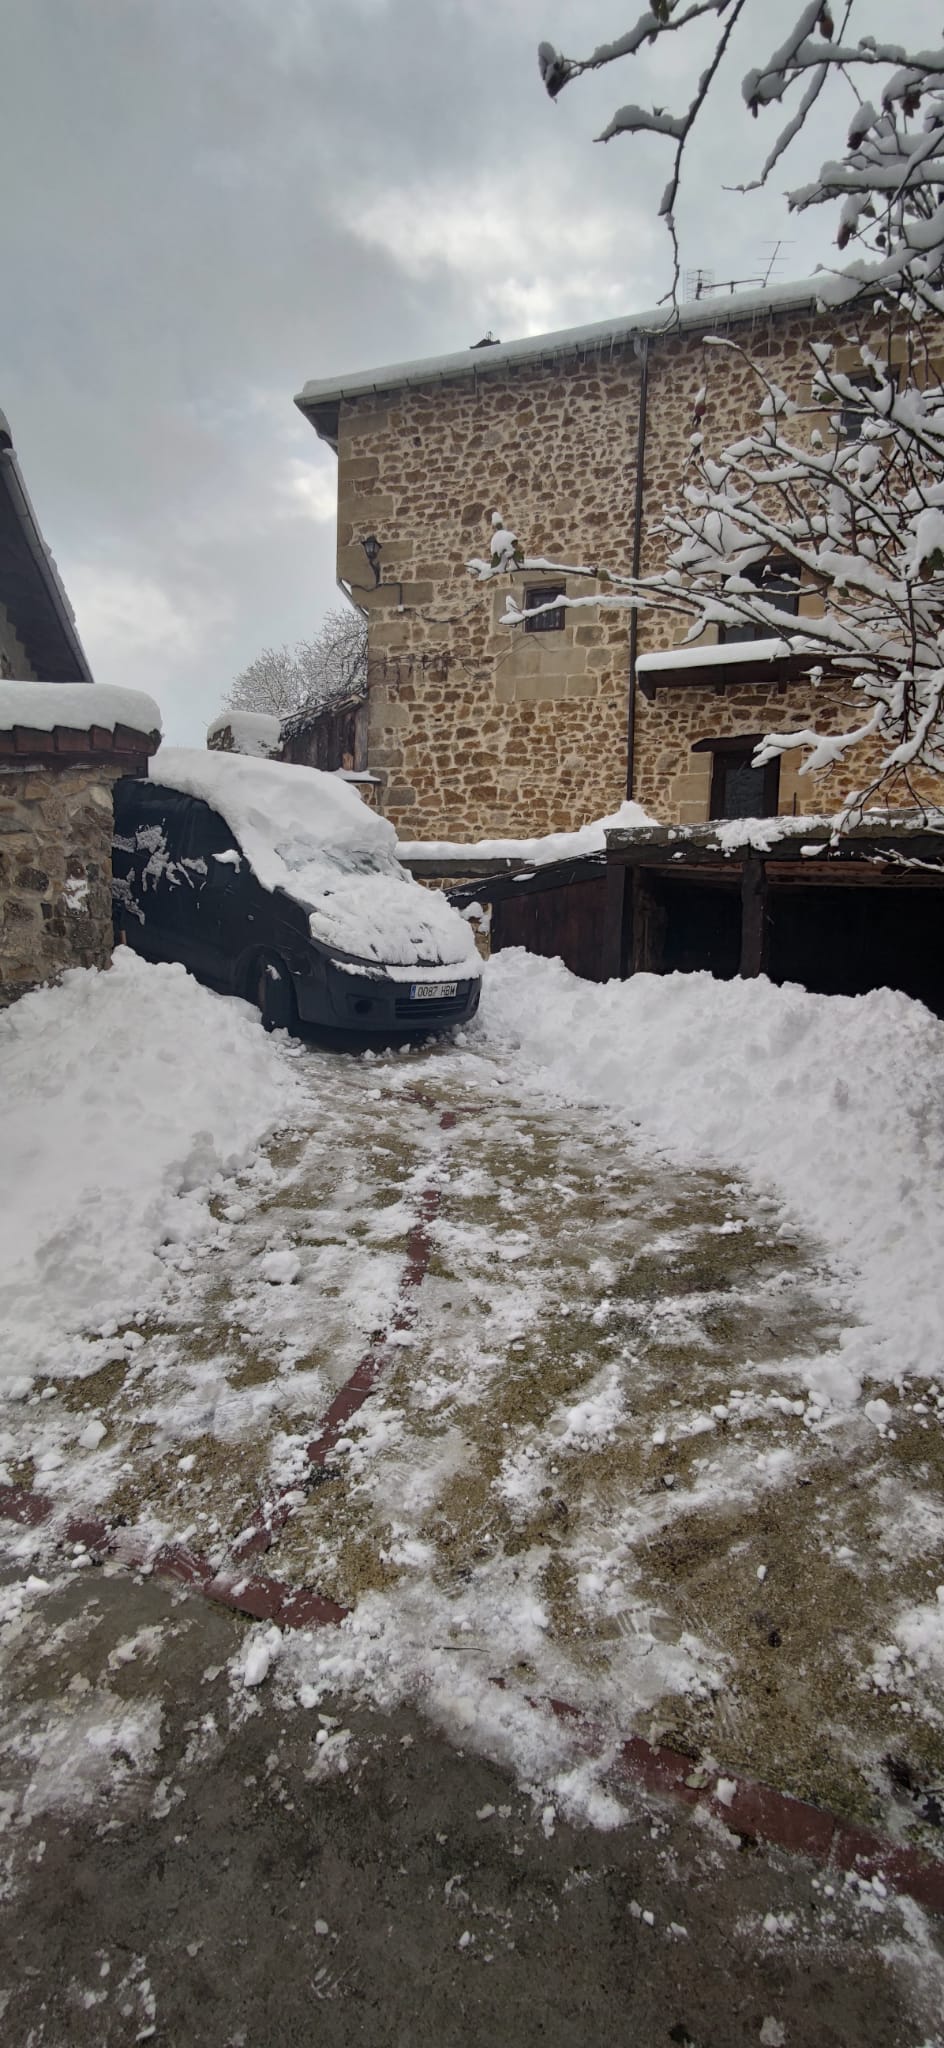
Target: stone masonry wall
x,y
479,731
55,872
13,657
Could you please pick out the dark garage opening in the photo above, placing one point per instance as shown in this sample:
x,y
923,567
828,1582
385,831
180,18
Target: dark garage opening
x,y
843,942
702,927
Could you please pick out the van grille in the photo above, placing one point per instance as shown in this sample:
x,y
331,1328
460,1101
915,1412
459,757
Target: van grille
x,y
435,1008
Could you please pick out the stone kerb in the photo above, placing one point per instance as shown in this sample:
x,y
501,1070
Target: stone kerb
x,y
56,826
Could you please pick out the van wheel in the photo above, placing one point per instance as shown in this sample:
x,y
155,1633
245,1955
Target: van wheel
x,y
270,988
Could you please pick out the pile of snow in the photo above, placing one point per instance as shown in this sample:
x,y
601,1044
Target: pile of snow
x,y
126,1095
309,834
256,733
537,852
77,706
837,1102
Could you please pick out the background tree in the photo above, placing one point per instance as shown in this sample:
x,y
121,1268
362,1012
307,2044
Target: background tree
x,y
291,680
847,490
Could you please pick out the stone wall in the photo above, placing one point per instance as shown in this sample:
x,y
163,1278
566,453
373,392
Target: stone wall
x,y
479,731
13,657
55,872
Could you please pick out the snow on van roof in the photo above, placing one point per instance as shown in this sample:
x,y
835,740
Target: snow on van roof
x,y
287,819
310,835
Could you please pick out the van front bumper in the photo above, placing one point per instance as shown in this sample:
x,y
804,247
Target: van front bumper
x,y
360,1003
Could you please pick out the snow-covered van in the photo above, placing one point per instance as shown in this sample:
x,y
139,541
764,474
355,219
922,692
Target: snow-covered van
x,y
277,883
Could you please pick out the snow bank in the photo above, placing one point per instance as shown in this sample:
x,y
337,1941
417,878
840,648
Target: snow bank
x,y
256,733
836,1102
554,846
125,1093
309,834
41,706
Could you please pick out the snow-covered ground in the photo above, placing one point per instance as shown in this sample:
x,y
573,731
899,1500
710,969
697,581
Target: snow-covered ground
x,y
660,1425
126,1097
834,1102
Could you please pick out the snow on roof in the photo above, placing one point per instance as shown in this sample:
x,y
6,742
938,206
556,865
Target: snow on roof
x,y
693,655
77,706
707,313
254,732
537,852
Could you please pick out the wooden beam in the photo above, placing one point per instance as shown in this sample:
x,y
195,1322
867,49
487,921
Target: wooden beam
x,y
649,919
753,919
615,922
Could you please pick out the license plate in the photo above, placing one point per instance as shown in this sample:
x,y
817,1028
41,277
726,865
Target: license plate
x,y
423,991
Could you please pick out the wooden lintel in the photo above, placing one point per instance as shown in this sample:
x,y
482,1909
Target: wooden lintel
x,y
818,852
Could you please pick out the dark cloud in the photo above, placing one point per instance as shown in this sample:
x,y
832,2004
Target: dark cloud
x,y
207,201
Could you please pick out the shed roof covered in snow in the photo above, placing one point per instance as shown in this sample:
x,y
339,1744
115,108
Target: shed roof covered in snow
x,y
320,399
31,588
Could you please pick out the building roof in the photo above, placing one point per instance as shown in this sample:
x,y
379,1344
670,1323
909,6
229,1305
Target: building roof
x,y
31,589
320,398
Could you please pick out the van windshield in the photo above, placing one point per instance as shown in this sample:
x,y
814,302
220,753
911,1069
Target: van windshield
x,y
302,855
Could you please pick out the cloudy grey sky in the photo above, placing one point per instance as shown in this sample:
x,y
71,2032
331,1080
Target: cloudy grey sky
x,y
208,201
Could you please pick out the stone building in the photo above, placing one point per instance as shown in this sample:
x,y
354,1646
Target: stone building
x,y
579,439
63,744
62,749
38,636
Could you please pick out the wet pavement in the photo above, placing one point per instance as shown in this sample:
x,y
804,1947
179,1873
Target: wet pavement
x,y
196,1868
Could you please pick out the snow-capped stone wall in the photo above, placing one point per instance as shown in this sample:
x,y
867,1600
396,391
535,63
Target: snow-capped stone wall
x,y
57,821
480,732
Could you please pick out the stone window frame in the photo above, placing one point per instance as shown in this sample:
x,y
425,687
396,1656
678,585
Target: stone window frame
x,y
732,745
542,593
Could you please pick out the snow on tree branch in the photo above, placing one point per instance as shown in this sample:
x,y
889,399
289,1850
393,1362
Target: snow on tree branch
x,y
888,184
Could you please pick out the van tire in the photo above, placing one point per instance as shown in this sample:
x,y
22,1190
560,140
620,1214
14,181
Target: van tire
x,y
270,988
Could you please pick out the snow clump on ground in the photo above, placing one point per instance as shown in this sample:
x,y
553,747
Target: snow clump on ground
x,y
127,1095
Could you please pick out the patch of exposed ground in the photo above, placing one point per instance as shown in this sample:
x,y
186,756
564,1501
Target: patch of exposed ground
x,y
705,1309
